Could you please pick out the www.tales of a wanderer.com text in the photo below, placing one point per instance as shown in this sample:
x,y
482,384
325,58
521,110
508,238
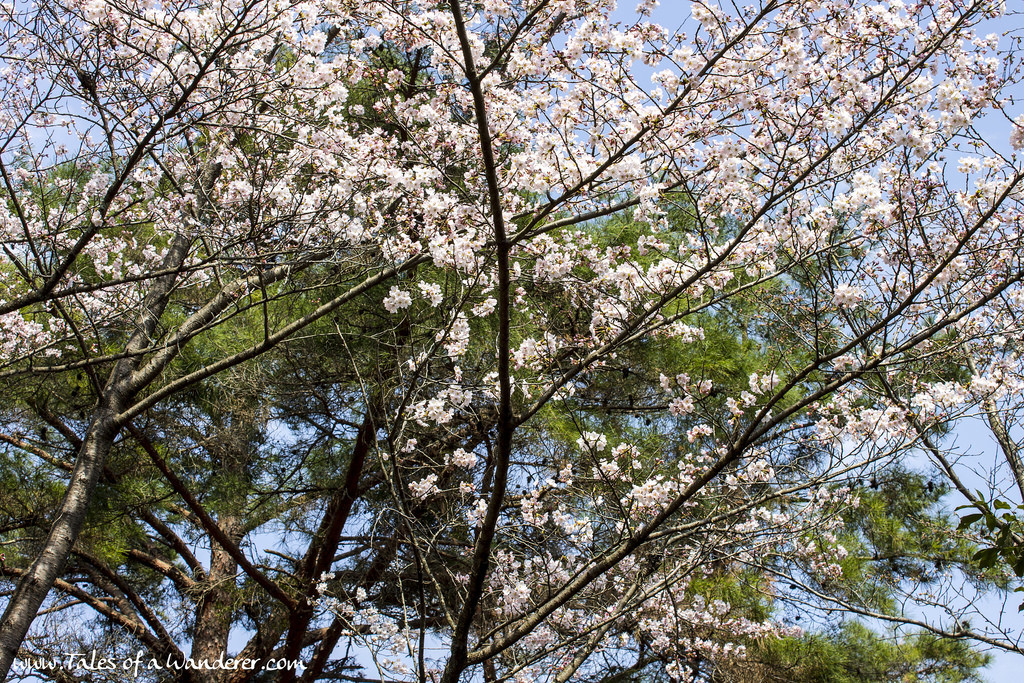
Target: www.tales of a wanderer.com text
x,y
93,661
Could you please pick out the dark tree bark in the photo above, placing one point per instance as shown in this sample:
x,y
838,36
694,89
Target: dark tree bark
x,y
215,608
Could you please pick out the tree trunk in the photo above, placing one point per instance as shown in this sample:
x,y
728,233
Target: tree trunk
x,y
118,392
48,565
213,613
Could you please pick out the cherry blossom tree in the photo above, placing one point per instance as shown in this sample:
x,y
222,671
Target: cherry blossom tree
x,y
522,232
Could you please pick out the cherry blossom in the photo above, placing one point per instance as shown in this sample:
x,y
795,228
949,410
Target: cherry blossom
x,y
555,224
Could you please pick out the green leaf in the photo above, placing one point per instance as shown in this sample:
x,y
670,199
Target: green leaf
x,y
968,520
986,557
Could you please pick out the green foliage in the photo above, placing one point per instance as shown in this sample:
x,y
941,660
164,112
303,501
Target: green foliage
x,y
899,533
856,654
1002,525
